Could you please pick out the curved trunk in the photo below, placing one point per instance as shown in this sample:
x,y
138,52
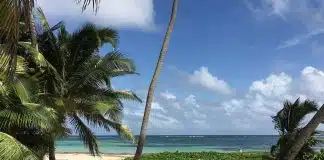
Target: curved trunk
x,y
51,151
156,74
304,134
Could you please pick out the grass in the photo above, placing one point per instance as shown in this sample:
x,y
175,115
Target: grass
x,y
205,156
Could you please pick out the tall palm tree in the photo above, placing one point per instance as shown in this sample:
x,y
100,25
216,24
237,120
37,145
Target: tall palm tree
x,y
155,77
79,85
288,123
304,135
11,14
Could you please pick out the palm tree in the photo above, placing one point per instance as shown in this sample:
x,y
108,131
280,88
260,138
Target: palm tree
x,y
155,77
76,93
24,123
79,85
11,14
304,135
288,123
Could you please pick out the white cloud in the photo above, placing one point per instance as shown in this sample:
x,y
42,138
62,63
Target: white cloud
x,y
163,121
312,81
205,79
300,38
273,86
192,113
278,7
248,113
232,105
176,105
191,100
168,96
156,106
305,14
120,13
269,7
265,97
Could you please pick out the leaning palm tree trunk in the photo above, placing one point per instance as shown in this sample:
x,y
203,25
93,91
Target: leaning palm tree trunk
x,y
304,134
150,94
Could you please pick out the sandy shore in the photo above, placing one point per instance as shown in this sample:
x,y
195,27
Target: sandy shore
x,y
84,156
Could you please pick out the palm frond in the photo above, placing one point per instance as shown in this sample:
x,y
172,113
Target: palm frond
x,y
126,95
85,134
13,149
44,25
97,72
111,109
12,12
288,122
108,35
37,56
27,116
94,117
86,3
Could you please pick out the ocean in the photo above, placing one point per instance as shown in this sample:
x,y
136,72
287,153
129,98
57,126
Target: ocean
x,y
162,143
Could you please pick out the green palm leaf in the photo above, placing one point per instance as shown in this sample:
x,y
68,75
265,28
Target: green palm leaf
x,y
85,134
13,150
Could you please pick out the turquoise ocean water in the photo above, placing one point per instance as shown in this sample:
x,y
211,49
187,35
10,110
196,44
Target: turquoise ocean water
x,y
154,144
226,143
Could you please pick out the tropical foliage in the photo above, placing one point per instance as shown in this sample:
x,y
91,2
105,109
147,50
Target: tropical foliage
x,y
79,87
288,123
12,13
65,82
316,156
205,156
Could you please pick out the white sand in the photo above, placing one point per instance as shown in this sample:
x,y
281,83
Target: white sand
x,y
84,156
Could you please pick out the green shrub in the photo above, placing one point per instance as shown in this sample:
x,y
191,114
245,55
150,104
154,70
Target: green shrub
x,y
315,156
205,156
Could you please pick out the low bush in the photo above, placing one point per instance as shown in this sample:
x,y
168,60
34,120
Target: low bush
x,y
315,156
205,156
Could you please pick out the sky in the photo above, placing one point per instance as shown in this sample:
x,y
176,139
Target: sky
x,y
230,64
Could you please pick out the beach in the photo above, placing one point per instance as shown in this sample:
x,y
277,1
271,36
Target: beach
x,y
84,156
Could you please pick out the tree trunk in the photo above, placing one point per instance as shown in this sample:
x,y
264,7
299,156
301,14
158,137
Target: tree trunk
x,y
51,151
156,74
32,27
304,134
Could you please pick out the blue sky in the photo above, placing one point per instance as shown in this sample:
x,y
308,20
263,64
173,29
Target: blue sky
x,y
230,64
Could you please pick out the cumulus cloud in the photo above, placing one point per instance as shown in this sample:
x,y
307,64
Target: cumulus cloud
x,y
313,79
120,13
168,96
273,86
206,80
265,97
232,105
247,113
